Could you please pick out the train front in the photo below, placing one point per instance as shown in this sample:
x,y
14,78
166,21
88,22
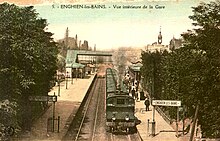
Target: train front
x,y
120,113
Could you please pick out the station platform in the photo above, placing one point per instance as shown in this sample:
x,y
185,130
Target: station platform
x,y
66,107
68,103
163,130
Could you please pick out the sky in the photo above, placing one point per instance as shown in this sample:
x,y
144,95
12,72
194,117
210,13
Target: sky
x,y
112,27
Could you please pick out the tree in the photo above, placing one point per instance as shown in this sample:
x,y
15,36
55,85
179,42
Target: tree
x,y
206,40
152,72
28,58
191,74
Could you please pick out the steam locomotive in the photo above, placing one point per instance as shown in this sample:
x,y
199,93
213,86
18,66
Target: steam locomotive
x,y
120,106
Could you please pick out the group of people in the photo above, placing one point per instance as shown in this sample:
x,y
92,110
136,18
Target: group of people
x,y
133,89
136,95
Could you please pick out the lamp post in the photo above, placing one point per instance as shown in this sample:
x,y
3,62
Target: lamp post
x,y
72,76
53,112
76,73
58,85
66,79
152,97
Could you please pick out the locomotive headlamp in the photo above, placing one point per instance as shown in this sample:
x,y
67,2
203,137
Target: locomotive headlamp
x,y
113,118
127,118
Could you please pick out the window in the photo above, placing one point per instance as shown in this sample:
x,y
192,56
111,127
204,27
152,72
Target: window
x,y
120,101
110,101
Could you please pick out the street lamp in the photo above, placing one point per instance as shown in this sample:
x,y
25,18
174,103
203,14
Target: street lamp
x,y
152,97
66,79
72,76
76,73
58,81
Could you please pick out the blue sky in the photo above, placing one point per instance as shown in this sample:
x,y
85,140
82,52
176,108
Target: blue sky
x,y
111,28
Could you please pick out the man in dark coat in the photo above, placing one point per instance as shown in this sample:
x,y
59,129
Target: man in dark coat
x,y
133,93
147,104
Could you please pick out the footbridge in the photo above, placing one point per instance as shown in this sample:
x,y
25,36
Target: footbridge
x,y
83,60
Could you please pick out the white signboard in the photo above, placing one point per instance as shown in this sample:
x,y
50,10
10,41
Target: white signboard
x,y
43,98
166,103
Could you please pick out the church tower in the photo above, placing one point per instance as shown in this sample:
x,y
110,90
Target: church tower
x,y
159,37
67,38
76,42
95,47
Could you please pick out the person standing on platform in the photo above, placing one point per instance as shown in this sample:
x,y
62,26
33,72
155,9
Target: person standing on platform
x,y
133,93
136,96
147,104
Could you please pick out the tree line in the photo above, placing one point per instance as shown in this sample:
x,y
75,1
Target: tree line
x,y
28,64
191,73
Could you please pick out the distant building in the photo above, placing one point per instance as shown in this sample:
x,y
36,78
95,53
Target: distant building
x,y
95,47
69,42
134,73
175,43
159,37
84,46
157,45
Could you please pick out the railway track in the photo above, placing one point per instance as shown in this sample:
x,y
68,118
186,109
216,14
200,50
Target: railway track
x,y
89,125
87,129
124,137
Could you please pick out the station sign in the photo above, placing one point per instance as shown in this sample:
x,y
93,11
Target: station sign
x,y
43,98
166,103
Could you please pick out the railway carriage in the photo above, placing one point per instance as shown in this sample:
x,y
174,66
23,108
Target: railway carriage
x,y
119,105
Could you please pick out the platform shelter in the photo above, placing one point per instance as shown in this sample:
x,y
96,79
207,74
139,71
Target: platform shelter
x,y
79,62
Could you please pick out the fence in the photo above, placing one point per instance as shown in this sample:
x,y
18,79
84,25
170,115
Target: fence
x,y
53,124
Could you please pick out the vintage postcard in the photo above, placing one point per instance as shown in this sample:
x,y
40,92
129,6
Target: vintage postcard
x,y
82,69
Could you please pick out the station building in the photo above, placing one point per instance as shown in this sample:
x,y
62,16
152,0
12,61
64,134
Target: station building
x,y
134,70
157,46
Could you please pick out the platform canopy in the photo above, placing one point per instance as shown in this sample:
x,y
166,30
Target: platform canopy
x,y
136,67
72,57
77,65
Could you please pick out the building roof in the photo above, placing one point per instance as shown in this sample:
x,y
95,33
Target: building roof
x,y
71,57
77,65
93,53
136,67
91,65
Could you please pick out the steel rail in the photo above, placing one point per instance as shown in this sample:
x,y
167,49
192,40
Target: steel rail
x,y
129,137
86,108
97,109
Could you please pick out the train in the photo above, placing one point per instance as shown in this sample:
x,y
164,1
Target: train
x,y
120,106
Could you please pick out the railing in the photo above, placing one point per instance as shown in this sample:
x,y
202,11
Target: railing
x,y
165,117
159,110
